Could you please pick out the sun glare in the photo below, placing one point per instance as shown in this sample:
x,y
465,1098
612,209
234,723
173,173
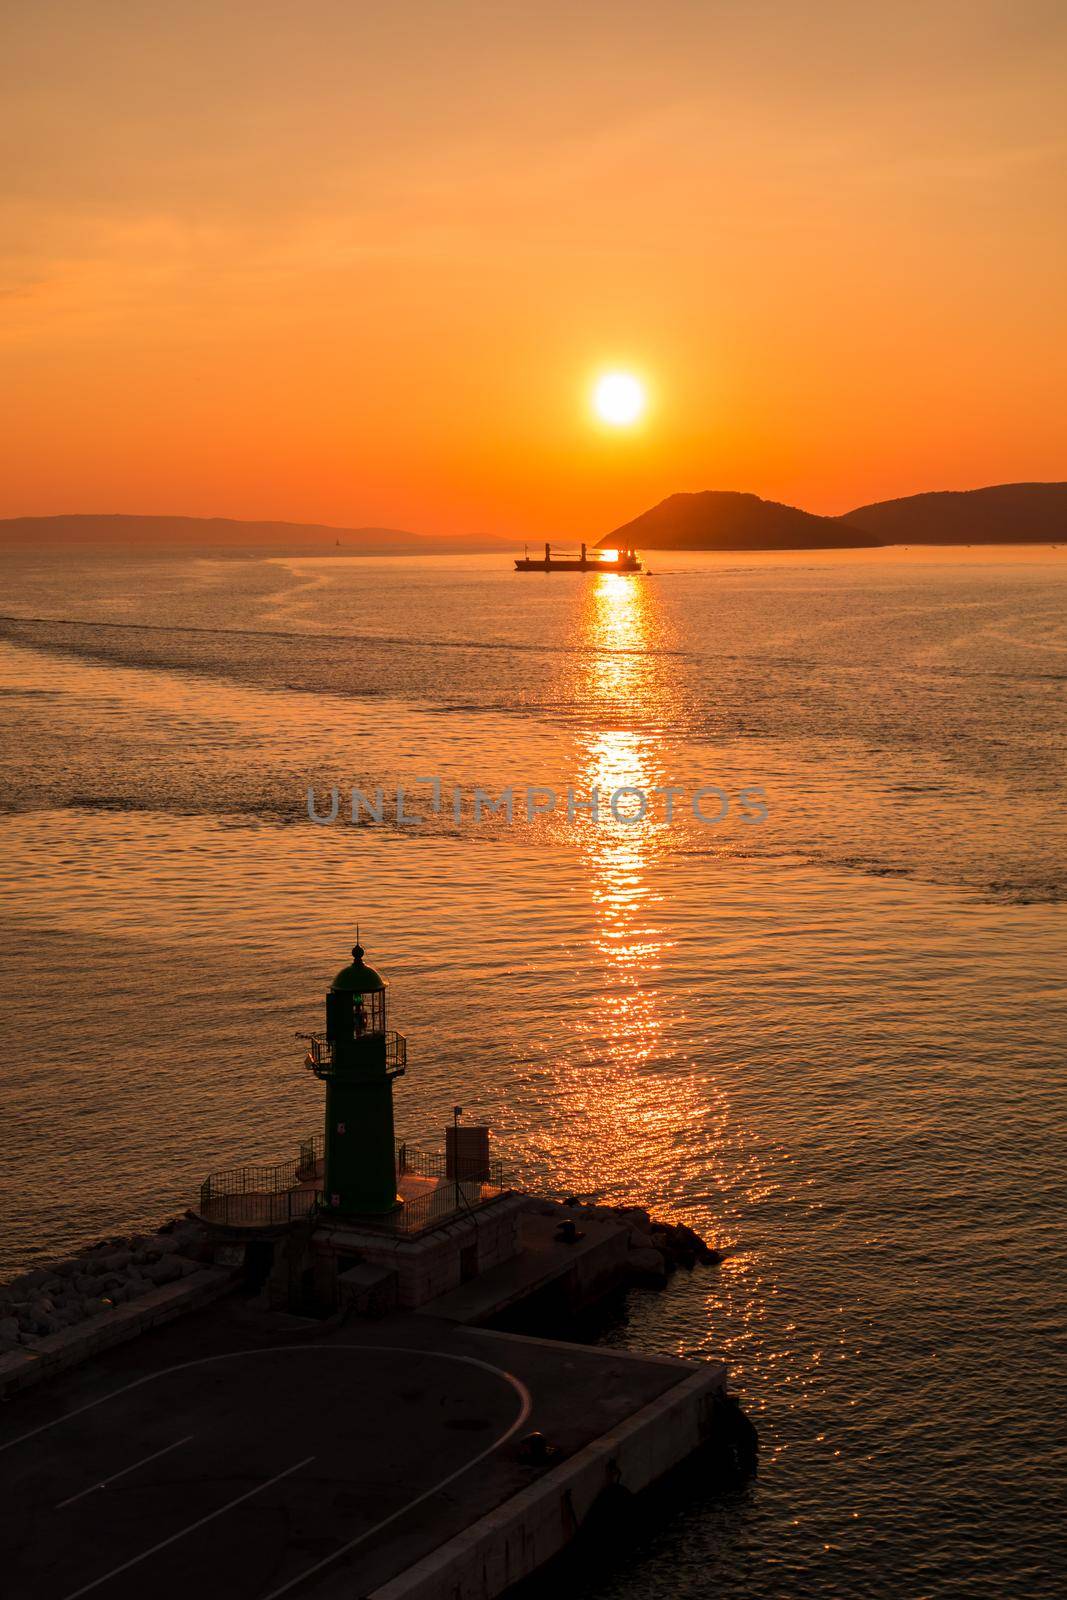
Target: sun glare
x,y
618,398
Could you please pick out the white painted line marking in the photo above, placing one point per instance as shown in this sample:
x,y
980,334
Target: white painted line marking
x,y
166,1372
525,1407
524,1411
93,1487
163,1543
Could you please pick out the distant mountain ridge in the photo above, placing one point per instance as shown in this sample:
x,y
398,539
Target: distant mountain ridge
x,y
717,519
723,519
1006,513
712,519
224,535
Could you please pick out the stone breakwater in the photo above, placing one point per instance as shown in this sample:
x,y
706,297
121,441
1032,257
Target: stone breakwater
x,y
113,1272
656,1248
96,1279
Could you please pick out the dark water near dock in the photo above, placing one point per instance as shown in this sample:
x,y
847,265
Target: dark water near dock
x,y
833,1042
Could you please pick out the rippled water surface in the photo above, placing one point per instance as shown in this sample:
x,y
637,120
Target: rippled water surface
x,y
833,1040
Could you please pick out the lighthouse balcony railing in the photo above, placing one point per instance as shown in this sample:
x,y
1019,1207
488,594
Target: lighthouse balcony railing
x,y
264,1195
436,1164
320,1051
435,1192
448,1202
439,1205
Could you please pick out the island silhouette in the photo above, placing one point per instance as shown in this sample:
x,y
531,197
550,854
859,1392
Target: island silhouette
x,y
718,519
711,519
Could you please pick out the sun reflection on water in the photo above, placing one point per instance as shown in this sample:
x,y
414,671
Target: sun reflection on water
x,y
621,1124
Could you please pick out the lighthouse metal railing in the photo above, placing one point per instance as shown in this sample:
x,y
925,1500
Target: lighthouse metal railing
x,y
320,1051
436,1164
440,1190
264,1195
270,1196
444,1202
448,1200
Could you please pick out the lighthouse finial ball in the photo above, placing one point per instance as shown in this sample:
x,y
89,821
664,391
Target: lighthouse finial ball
x,y
358,977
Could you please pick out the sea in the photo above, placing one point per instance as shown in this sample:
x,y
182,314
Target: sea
x,y
811,1002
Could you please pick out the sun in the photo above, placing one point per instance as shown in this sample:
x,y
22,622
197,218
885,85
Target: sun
x,y
618,398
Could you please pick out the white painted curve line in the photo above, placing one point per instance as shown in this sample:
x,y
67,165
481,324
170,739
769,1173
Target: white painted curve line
x,y
525,1407
163,1543
180,1366
93,1487
524,1411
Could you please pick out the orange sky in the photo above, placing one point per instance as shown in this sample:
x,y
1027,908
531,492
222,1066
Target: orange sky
x,y
358,263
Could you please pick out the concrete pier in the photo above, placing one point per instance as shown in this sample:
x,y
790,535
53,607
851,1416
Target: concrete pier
x,y
257,1455
535,1525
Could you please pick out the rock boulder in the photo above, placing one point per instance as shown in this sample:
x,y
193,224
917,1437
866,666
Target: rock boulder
x,y
647,1268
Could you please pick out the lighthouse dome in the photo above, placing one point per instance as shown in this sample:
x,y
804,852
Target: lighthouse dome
x,y
358,978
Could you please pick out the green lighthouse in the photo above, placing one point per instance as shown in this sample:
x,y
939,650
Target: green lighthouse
x,y
358,1059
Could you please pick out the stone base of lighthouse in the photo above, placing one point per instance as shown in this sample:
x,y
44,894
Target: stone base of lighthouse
x,y
335,1264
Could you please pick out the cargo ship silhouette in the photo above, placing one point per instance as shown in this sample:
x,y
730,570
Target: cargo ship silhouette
x,y
599,561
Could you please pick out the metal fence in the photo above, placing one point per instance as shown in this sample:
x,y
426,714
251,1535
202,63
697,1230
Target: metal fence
x,y
445,1203
257,1209
261,1196
435,1164
264,1196
438,1205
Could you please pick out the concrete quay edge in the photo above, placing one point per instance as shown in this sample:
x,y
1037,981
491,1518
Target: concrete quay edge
x,y
511,1542
644,1356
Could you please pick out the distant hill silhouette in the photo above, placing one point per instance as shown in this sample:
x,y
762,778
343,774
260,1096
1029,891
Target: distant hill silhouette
x,y
721,519
221,535
1007,513
714,519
